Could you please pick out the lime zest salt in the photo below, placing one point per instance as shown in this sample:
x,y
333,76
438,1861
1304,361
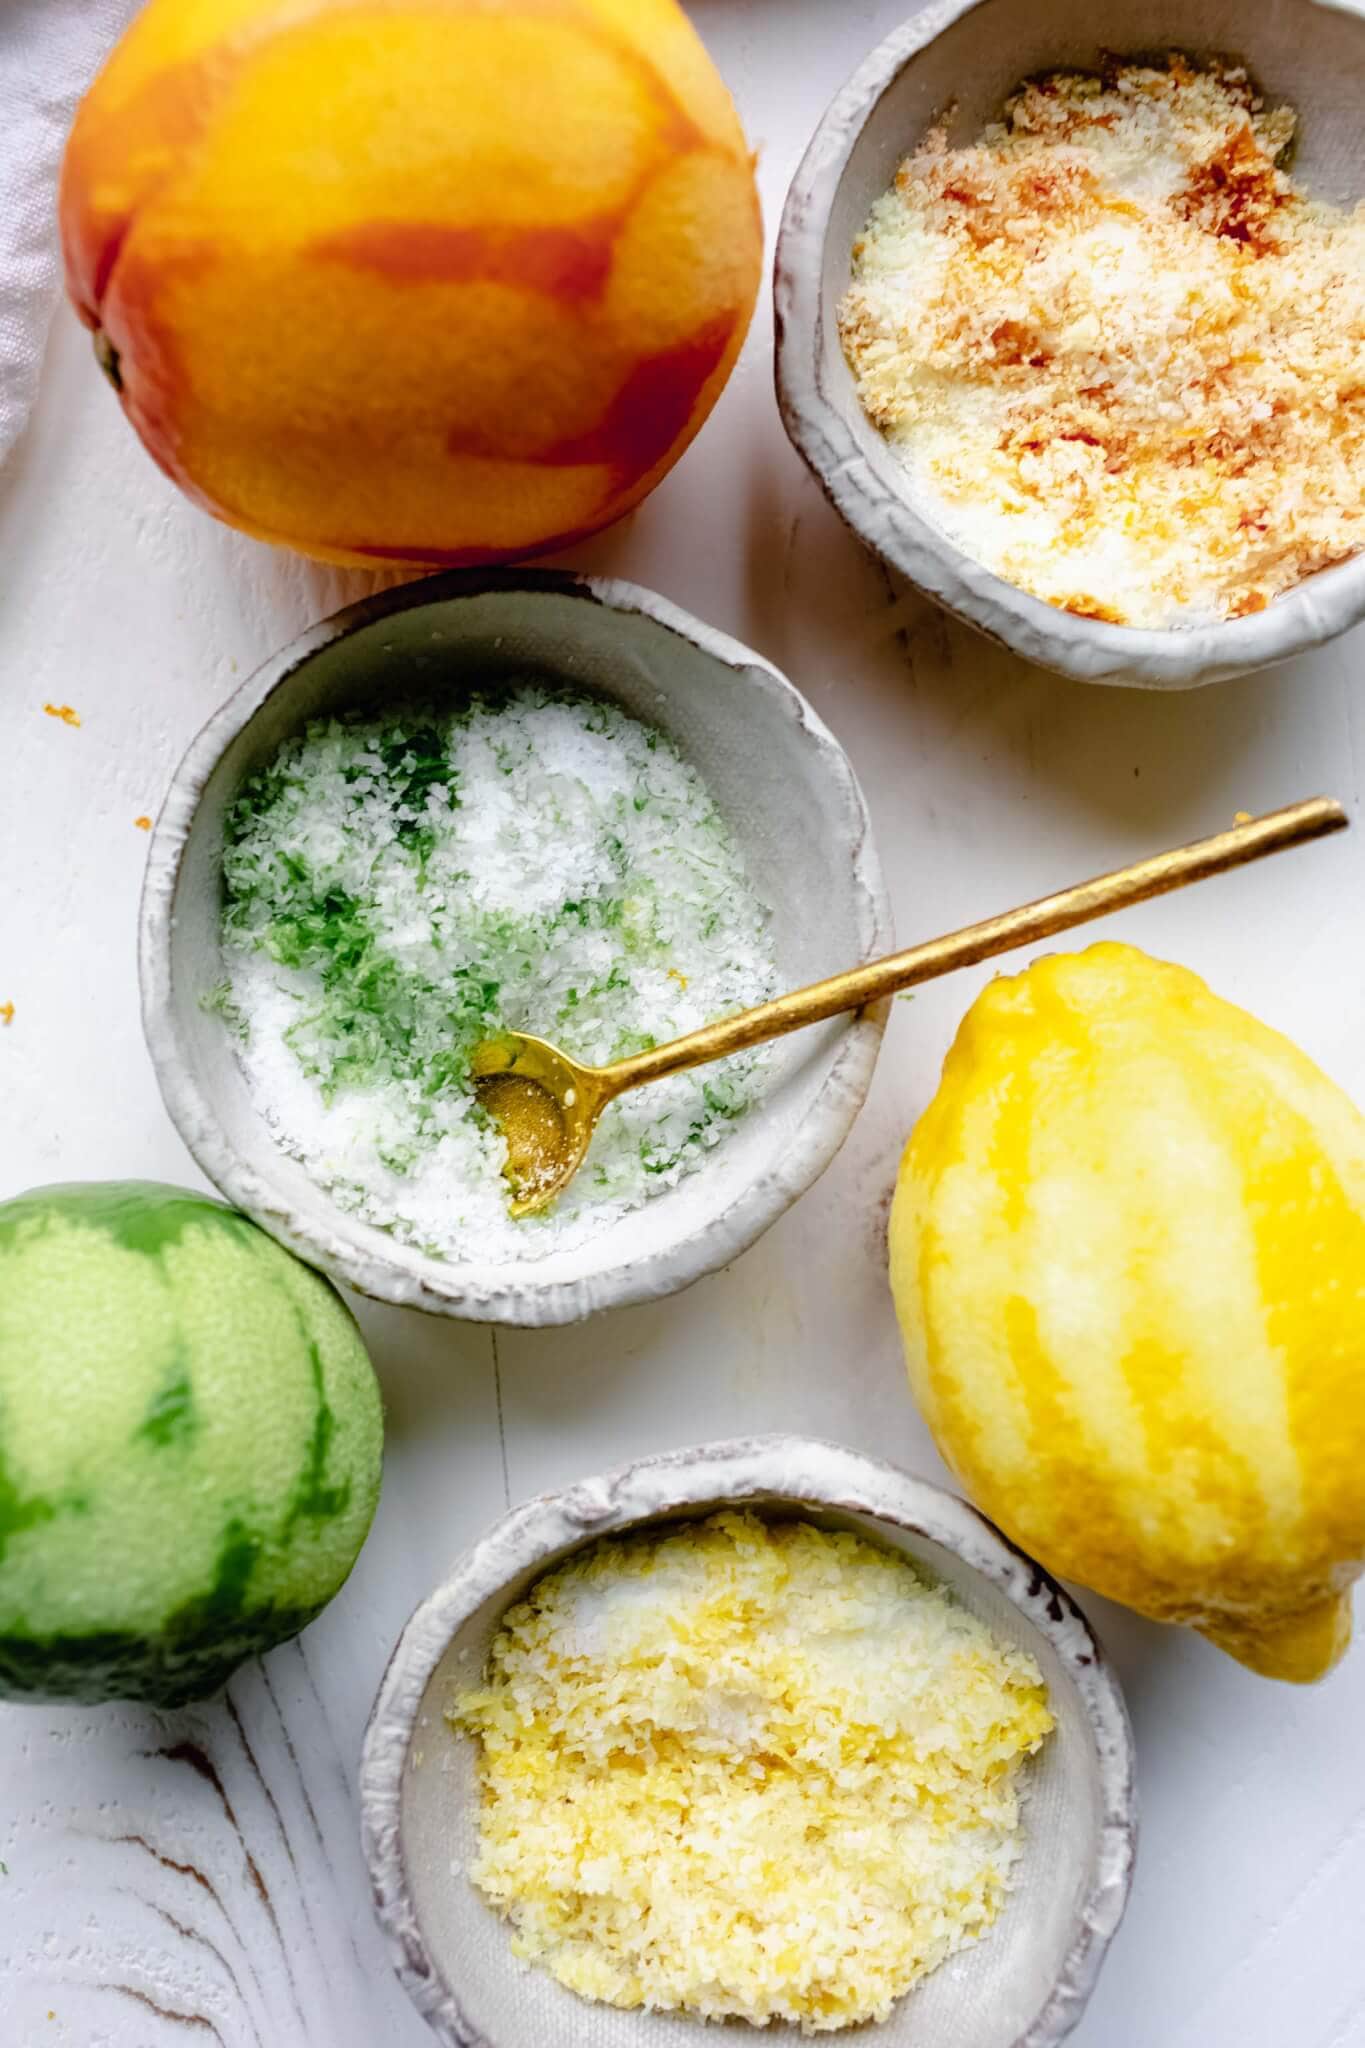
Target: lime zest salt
x,y
398,889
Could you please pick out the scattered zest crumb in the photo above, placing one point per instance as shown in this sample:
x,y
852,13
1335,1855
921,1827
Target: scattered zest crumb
x,y
1241,817
64,712
144,823
6,1017
1118,349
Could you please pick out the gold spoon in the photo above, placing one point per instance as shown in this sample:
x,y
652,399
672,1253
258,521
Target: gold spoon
x,y
548,1105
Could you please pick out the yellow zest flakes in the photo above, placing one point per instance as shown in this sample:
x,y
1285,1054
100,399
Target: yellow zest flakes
x,y
675,975
748,1769
64,712
144,823
1118,350
6,1013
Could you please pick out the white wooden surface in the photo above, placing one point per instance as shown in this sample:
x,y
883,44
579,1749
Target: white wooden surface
x,y
197,1875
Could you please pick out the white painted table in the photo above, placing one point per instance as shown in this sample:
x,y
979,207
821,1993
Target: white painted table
x,y
197,1876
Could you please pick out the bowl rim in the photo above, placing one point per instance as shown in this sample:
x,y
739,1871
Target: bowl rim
x,y
1088,650
474,1292
808,1472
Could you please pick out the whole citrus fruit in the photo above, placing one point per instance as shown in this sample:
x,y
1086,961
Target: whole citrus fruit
x,y
1128,1256
190,1439
433,281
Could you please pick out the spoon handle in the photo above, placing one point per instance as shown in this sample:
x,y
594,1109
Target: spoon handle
x,y
1272,833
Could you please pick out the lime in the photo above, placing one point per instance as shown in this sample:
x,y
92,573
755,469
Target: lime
x,y
190,1439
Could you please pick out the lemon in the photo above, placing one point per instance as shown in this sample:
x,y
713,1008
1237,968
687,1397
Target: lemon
x,y
1128,1258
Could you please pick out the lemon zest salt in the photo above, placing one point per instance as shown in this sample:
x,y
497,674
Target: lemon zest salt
x,y
748,1769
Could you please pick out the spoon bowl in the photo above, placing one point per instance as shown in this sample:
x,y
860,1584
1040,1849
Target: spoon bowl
x,y
546,1106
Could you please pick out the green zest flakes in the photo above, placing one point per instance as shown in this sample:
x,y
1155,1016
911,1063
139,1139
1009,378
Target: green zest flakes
x,y
398,890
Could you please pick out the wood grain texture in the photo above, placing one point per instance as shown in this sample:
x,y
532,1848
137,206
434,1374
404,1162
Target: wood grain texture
x,y
196,1878
203,1900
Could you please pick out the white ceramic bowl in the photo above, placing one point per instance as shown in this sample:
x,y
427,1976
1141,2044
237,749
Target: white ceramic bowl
x,y
1023,1987
779,777
965,56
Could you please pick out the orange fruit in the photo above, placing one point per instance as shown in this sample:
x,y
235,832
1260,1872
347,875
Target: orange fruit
x,y
431,281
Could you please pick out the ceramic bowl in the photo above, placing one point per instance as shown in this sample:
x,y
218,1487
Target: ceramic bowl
x,y
961,58
1023,1987
777,774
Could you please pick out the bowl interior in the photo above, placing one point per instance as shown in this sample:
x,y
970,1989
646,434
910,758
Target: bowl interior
x,y
1309,54
986,1997
783,785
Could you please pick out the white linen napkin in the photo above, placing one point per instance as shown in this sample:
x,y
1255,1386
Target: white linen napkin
x,y
49,52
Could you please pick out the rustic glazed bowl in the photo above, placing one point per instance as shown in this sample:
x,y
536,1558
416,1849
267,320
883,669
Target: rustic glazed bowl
x,y
960,59
778,776
1023,1987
